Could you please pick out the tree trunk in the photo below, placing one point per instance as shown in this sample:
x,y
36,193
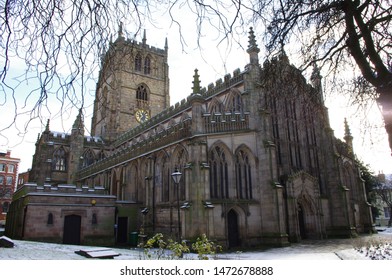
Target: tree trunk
x,y
390,217
385,102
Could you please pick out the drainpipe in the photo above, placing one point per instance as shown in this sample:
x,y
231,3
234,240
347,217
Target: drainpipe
x,y
153,195
24,221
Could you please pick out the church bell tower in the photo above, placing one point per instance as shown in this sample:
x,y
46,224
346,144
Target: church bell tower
x,y
133,86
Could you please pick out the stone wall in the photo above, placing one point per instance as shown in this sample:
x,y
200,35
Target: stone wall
x,y
42,211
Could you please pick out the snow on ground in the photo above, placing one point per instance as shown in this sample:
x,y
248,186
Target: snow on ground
x,y
378,249
367,247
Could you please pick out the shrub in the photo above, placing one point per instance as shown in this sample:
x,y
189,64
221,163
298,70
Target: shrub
x,y
204,247
157,248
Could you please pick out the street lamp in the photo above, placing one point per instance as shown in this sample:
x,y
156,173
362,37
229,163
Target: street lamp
x,y
142,234
176,176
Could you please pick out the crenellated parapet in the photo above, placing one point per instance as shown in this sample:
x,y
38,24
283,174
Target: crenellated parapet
x,y
220,86
58,190
139,45
175,124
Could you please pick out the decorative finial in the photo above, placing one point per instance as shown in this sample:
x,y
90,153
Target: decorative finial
x,y
78,124
253,50
47,126
347,131
315,78
315,71
120,30
144,38
252,42
196,83
347,136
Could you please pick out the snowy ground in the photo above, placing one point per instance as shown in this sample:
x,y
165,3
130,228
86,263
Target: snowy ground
x,y
369,247
378,248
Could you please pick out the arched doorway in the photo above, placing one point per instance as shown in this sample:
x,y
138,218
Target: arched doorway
x,y
71,233
305,211
301,222
232,229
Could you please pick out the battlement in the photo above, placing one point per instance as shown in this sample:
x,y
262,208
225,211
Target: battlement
x,y
149,48
133,44
62,137
62,189
206,93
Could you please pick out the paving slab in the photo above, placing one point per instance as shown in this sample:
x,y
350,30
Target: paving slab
x,y
6,242
98,253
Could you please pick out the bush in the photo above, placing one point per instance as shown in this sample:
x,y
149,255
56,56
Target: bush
x,y
204,247
156,248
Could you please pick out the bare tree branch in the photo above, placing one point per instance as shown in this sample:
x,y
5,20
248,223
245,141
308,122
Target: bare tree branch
x,y
59,43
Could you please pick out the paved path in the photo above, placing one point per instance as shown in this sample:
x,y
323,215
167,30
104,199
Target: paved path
x,y
331,249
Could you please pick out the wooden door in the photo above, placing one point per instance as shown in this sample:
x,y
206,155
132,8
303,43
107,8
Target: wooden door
x,y
233,231
72,226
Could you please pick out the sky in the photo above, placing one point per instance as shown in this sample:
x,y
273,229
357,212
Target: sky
x,y
213,60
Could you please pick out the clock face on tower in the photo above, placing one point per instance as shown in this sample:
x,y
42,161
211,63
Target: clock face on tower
x,y
142,115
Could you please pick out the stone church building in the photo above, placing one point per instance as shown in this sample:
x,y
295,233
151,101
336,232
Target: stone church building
x,y
258,159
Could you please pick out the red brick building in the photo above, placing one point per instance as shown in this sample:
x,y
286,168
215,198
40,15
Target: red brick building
x,y
23,178
8,181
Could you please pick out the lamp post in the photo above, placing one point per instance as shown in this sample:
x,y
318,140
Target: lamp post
x,y
176,176
153,158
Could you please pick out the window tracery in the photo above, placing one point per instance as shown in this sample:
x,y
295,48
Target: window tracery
x,y
219,177
59,162
138,63
147,65
243,175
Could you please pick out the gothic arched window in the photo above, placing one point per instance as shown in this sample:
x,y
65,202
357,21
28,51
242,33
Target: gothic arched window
x,y
142,96
216,106
180,162
234,103
163,172
141,93
349,181
104,102
138,63
243,170
88,158
59,160
219,177
147,65
101,155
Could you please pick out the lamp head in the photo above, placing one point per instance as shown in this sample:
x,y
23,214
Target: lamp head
x,y
176,176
